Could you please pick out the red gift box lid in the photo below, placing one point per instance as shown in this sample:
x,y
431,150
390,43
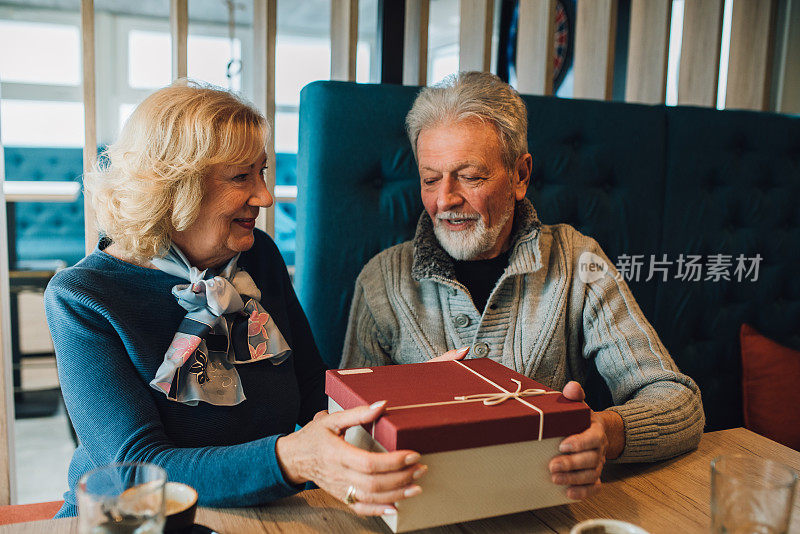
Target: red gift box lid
x,y
455,424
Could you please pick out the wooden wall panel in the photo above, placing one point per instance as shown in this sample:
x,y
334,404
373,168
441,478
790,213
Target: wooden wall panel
x,y
265,27
787,90
648,51
698,74
475,35
89,114
749,67
179,31
595,32
535,44
415,42
344,39
7,464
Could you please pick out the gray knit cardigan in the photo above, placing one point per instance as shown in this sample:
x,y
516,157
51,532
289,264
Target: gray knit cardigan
x,y
541,320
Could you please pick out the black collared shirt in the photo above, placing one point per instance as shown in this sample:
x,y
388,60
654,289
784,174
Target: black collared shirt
x,y
480,276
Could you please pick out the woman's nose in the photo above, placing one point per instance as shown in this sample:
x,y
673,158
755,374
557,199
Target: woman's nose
x,y
261,196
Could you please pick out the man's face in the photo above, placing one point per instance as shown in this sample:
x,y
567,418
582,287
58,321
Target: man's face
x,y
467,190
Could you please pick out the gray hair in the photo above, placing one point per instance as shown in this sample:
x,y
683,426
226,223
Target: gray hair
x,y
473,95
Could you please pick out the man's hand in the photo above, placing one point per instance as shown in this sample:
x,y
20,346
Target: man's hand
x,y
585,453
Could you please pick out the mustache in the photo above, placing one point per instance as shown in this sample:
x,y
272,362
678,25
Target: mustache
x,y
457,215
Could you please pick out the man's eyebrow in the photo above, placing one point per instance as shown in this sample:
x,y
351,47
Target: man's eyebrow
x,y
459,166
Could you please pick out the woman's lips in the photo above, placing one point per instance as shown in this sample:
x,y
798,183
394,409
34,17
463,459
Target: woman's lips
x,y
248,224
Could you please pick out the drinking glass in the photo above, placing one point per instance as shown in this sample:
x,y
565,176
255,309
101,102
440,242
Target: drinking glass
x,y
751,495
122,498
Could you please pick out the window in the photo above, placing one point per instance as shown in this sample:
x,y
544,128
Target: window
x,y
444,63
675,42
43,53
34,123
208,59
149,59
443,34
314,54
40,69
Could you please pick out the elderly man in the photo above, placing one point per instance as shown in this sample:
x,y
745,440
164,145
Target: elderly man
x,y
484,274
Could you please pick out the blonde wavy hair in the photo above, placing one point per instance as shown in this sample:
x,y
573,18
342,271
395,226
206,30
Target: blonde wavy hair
x,y
152,180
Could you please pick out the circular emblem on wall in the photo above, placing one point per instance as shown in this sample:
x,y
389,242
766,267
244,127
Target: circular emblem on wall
x,y
562,47
562,42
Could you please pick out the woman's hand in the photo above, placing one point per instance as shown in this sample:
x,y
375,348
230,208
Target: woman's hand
x,y
455,354
586,452
317,452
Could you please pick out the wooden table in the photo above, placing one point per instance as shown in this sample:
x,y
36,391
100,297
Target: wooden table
x,y
665,497
44,191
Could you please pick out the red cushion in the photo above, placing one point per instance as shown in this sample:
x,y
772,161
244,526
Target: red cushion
x,y
770,392
22,513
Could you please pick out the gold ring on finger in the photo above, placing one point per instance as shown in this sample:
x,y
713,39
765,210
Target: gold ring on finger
x,y
350,496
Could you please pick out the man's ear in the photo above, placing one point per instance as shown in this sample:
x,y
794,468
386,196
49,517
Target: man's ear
x,y
522,175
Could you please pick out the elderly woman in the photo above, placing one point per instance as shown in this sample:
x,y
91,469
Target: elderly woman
x,y
179,339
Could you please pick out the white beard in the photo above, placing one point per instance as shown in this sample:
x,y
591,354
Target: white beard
x,y
464,245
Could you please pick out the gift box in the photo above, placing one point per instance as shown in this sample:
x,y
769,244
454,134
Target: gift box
x,y
486,433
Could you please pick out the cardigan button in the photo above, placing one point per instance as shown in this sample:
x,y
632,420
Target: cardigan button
x,y
481,349
462,320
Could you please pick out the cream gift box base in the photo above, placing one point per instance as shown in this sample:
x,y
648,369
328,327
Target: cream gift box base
x,y
469,484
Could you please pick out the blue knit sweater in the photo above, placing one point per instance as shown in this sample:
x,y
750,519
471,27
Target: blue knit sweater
x,y
111,323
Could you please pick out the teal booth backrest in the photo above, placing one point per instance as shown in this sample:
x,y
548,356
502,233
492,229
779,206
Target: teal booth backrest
x,y
47,230
642,180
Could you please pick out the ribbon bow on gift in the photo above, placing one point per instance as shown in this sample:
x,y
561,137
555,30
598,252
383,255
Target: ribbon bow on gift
x,y
220,330
490,399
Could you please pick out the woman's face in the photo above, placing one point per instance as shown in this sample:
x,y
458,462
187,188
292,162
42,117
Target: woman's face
x,y
224,227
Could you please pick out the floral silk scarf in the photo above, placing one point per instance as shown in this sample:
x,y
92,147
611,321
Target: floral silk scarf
x,y
225,325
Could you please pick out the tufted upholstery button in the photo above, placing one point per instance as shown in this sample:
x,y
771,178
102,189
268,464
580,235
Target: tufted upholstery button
x,y
461,320
572,140
452,291
480,349
739,144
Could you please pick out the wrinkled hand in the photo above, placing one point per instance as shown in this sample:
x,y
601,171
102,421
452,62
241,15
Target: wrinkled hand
x,y
585,453
455,354
318,452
